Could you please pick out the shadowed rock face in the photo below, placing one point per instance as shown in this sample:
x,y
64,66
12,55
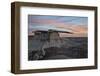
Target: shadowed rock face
x,y
73,48
54,40
42,40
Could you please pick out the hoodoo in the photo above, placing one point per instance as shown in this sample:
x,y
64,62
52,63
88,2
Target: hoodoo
x,y
45,39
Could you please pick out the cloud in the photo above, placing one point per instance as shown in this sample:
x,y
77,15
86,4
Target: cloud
x,y
79,30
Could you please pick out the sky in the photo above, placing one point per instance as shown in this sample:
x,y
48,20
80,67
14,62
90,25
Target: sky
x,y
78,25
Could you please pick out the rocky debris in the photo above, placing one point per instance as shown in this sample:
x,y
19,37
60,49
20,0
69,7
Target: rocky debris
x,y
72,49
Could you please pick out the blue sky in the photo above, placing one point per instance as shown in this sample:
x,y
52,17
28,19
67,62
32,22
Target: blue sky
x,y
65,19
44,22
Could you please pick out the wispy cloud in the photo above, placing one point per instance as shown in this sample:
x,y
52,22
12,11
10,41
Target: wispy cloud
x,y
77,24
